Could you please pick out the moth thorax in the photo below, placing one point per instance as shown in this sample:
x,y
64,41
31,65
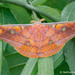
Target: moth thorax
x,y
38,26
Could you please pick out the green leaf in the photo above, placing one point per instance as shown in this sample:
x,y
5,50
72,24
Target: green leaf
x,y
31,8
69,52
16,70
68,14
35,69
23,1
58,58
62,69
38,2
18,60
2,5
50,11
1,56
20,13
4,44
9,50
5,70
69,1
58,4
45,66
6,17
29,66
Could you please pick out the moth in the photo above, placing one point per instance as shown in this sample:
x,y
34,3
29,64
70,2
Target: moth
x,y
38,39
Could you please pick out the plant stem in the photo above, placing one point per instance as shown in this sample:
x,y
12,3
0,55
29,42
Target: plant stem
x,y
35,15
0,56
23,4
45,66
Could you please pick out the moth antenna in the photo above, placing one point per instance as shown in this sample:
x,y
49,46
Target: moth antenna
x,y
42,20
33,21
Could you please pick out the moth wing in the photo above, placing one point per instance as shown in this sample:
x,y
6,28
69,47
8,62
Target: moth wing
x,y
17,36
10,33
59,33
63,31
